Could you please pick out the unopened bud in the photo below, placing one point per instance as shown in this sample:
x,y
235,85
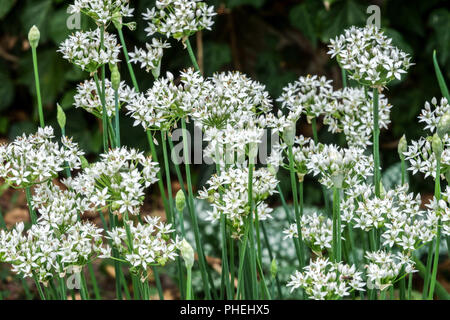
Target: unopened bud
x,y
187,252
33,37
289,134
273,268
436,144
84,162
443,126
61,116
180,200
402,146
115,77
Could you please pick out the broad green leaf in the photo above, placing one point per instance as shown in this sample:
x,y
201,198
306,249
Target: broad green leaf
x,y
302,18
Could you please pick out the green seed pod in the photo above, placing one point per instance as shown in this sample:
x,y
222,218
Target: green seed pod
x,y
437,146
33,37
180,200
61,116
187,252
443,126
273,268
402,147
115,77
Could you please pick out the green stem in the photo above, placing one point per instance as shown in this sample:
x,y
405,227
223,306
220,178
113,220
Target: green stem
x,y
376,144
127,59
251,229
38,87
189,284
198,242
344,78
426,282
39,288
33,215
104,115
337,243
158,283
94,282
117,118
441,292
269,248
191,55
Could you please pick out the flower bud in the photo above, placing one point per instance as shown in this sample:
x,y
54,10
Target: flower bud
x,y
437,146
115,77
84,162
443,126
187,252
61,116
180,200
273,268
402,147
33,37
289,134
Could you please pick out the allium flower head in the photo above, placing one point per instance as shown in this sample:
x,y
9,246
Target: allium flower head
x,y
340,167
150,58
84,49
228,195
309,95
36,158
151,244
88,98
102,11
118,180
326,280
351,112
369,56
179,18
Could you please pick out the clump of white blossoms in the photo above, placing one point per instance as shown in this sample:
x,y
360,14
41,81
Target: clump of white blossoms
x,y
384,268
117,181
88,98
309,95
369,56
36,158
340,167
228,195
420,154
165,102
103,11
396,213
150,58
150,245
84,49
228,98
438,212
326,280
351,112
317,232
44,252
179,18
57,207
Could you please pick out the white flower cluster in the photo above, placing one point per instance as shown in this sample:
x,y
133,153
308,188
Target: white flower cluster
x,y
150,58
351,112
57,207
36,158
384,267
228,195
88,98
118,180
317,232
44,252
326,280
179,18
84,49
150,244
420,154
340,167
309,95
103,11
438,212
368,56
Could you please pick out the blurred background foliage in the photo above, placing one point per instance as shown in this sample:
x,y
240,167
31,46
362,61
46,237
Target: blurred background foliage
x,y
273,41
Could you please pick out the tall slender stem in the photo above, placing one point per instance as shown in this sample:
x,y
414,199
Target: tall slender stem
x,y
198,242
38,87
127,58
251,229
337,244
376,143
192,55
30,207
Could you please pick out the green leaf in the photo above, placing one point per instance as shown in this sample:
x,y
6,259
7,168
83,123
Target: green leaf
x,y
5,7
440,78
440,22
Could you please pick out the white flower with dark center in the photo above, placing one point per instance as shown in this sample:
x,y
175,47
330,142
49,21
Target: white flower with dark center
x,y
326,280
84,50
369,56
88,98
118,180
179,18
36,158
